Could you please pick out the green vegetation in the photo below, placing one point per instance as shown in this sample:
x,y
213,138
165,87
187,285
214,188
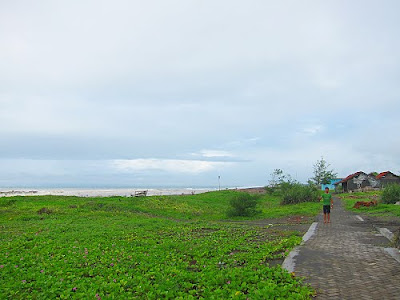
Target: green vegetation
x,y
294,193
381,209
174,247
290,190
243,205
391,194
277,178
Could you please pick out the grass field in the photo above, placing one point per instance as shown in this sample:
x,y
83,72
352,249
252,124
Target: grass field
x,y
389,210
174,247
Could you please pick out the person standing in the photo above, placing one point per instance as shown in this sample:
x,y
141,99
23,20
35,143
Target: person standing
x,y
327,203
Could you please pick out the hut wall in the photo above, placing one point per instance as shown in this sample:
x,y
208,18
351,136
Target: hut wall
x,y
351,185
389,179
362,181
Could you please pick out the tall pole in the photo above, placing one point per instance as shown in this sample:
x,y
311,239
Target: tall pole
x,y
219,182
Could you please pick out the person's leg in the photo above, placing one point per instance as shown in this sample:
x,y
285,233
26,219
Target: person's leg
x,y
325,210
329,217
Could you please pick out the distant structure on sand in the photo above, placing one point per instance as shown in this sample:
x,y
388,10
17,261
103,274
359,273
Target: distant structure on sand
x,y
361,181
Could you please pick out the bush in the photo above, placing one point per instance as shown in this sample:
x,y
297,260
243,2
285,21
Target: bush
x,y
243,205
391,194
44,210
274,191
269,189
7,203
294,193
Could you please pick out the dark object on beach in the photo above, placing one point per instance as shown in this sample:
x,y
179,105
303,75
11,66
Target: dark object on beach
x,y
365,203
140,193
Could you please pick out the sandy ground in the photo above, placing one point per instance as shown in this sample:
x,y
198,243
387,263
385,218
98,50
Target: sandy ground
x,y
99,192
4,192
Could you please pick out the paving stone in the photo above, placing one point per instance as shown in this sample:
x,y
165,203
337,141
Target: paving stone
x,y
346,260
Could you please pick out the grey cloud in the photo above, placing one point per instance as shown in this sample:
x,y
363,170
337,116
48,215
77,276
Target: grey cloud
x,y
163,80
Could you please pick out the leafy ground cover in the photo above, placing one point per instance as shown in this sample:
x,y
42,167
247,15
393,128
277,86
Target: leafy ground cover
x,y
175,247
387,210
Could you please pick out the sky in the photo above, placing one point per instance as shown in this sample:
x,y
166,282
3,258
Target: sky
x,y
178,92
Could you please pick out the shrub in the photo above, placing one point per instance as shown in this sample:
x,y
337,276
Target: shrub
x,y
269,189
391,194
293,193
243,205
274,191
44,210
7,203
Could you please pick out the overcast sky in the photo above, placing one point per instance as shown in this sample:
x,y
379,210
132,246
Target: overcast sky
x,y
176,93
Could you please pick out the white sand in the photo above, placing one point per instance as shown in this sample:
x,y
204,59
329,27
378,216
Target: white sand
x,y
99,192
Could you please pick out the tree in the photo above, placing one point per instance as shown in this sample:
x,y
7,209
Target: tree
x,y
322,174
278,177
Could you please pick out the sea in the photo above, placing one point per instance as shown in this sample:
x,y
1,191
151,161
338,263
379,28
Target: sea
x,y
101,192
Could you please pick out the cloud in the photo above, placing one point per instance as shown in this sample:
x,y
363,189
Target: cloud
x,y
183,90
215,153
313,130
167,165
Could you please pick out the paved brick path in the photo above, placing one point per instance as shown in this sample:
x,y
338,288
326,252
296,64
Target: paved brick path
x,y
345,260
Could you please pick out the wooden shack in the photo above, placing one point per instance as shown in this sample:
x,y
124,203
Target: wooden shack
x,y
358,181
386,178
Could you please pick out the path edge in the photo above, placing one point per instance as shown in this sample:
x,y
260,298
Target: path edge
x,y
289,263
393,252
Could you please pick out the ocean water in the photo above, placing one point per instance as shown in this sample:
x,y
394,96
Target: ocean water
x,y
6,192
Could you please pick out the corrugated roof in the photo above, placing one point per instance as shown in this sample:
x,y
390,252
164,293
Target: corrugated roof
x,y
350,177
379,176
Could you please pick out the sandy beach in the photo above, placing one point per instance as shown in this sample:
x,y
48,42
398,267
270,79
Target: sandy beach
x,y
124,192
7,192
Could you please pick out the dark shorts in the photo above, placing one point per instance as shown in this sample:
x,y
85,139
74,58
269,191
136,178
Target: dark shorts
x,y
327,209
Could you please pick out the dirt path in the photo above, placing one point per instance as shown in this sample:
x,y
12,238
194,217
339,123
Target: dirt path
x,y
347,260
